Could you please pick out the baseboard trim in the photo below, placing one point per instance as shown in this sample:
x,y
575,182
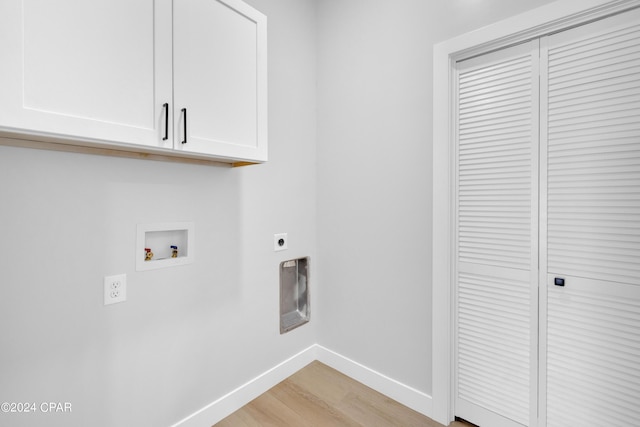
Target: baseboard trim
x,y
236,399
408,396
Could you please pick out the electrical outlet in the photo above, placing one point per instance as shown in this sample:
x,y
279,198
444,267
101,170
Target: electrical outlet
x,y
115,289
280,242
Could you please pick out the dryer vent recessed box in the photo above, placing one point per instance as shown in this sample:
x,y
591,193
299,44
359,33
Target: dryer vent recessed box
x,y
294,294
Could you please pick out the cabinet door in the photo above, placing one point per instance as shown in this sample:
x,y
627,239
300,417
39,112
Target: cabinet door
x,y
92,71
220,79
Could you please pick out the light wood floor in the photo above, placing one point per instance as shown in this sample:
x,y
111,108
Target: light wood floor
x,y
319,396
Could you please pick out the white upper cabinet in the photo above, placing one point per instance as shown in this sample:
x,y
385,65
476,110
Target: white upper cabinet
x,y
118,73
87,70
220,78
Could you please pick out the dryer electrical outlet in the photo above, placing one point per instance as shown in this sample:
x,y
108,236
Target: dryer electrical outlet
x,y
280,242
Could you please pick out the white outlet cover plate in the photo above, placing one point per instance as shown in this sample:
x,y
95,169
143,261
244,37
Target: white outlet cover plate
x,y
115,289
276,242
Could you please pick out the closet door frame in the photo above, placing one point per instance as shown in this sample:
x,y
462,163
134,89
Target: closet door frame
x,y
548,19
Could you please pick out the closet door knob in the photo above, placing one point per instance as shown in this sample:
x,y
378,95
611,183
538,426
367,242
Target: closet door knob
x,y
559,281
184,116
166,121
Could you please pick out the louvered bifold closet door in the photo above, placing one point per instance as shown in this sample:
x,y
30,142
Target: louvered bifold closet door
x,y
496,262
592,168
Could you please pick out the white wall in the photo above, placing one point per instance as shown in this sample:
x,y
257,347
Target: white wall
x,y
374,174
186,335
